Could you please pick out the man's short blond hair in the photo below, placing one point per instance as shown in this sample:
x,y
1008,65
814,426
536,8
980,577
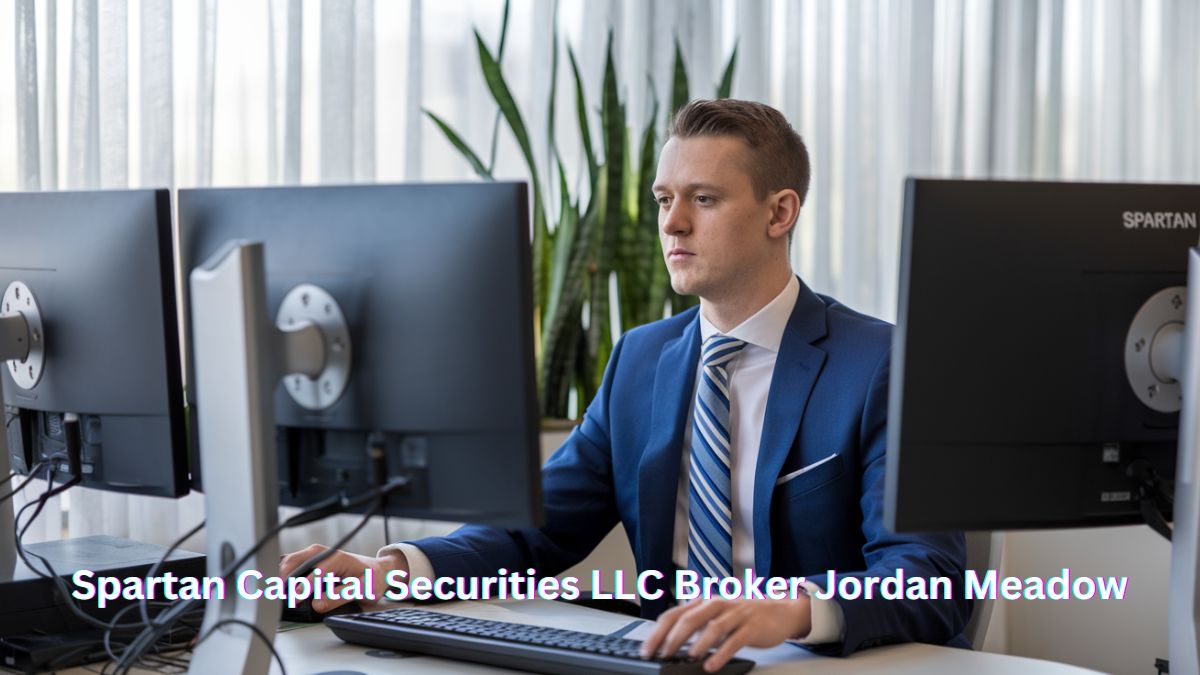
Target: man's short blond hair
x,y
778,158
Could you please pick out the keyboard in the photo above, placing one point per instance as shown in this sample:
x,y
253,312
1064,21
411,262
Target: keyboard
x,y
510,645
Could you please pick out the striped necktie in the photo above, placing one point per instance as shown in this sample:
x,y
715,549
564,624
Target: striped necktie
x,y
710,503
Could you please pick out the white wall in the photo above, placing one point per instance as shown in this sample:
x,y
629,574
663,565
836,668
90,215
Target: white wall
x,y
1112,636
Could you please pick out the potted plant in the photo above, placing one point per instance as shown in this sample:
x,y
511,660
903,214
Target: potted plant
x,y
614,232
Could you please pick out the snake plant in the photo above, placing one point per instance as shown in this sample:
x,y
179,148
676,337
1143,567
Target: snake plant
x,y
614,232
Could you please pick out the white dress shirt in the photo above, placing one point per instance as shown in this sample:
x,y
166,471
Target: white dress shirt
x,y
749,382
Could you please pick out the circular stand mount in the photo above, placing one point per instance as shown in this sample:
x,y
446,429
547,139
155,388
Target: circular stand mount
x,y
313,304
19,300
1154,338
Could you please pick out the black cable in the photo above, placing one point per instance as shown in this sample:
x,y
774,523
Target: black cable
x,y
323,509
1154,494
51,574
161,561
32,475
299,519
309,565
11,476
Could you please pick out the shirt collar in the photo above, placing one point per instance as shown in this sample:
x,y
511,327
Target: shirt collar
x,y
765,328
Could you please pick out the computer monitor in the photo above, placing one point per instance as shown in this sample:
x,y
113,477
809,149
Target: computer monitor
x,y
99,269
1011,406
434,281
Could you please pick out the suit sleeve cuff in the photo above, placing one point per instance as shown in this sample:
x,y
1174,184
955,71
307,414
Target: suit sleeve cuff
x,y
828,622
418,563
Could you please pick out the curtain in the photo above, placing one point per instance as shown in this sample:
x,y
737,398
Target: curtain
x,y
209,92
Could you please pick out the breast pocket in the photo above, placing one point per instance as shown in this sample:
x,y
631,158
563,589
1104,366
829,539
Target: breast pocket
x,y
810,477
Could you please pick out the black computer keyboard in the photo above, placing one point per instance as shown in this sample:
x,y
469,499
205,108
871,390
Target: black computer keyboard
x,y
510,645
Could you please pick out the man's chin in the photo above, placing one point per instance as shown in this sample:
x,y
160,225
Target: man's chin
x,y
681,286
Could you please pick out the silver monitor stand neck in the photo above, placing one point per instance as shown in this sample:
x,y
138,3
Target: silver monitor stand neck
x,y
240,357
8,546
235,385
1184,602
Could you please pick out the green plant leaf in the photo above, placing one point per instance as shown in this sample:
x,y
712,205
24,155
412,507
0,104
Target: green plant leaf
x,y
499,59
581,111
726,84
461,145
508,106
650,257
503,97
563,328
564,239
550,112
679,82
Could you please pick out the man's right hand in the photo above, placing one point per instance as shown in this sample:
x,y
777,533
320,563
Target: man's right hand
x,y
345,564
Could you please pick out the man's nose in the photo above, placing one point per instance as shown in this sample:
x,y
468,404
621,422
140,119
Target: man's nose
x,y
674,220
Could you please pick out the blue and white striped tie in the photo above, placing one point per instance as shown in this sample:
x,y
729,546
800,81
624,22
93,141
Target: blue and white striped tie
x,y
710,510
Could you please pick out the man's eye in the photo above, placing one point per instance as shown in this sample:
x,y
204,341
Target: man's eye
x,y
664,202
704,199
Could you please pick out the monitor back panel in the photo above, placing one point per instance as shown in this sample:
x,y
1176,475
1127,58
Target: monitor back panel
x,y
434,282
1008,376
101,267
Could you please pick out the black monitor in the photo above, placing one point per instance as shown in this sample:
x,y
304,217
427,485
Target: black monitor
x,y
434,281
1011,406
99,269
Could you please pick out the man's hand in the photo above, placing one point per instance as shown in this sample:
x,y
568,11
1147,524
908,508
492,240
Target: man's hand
x,y
345,564
731,624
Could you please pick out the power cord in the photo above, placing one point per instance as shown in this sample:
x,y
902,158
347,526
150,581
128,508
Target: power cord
x,y
1154,495
333,505
33,473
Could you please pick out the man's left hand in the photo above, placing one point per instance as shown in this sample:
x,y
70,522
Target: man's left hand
x,y
728,625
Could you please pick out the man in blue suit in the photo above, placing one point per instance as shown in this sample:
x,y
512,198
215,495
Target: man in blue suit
x,y
746,435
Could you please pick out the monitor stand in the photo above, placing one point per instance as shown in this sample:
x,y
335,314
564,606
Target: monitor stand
x,y
1184,602
240,357
15,349
8,535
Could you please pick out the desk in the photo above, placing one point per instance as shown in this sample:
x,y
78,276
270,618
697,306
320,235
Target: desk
x,y
313,650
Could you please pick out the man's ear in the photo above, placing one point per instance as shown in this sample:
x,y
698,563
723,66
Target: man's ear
x,y
785,208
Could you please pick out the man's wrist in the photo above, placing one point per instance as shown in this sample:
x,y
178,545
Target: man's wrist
x,y
393,559
803,606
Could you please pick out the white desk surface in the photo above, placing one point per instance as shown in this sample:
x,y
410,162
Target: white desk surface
x,y
314,650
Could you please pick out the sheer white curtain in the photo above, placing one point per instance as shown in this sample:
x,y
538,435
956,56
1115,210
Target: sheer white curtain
x,y
112,93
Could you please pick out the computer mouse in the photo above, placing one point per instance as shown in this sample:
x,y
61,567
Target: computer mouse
x,y
304,612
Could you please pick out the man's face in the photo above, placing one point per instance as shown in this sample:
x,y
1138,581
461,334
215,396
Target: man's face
x,y
713,228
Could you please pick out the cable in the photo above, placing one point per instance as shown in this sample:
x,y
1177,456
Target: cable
x,y
11,476
323,509
170,644
142,604
1153,495
33,473
309,565
50,573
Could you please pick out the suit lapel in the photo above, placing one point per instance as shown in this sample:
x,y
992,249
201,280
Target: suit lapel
x,y
658,472
796,370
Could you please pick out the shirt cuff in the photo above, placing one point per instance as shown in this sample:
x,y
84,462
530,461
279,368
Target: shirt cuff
x,y
828,622
416,560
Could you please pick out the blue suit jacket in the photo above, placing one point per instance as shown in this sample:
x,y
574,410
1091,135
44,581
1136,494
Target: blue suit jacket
x,y
828,395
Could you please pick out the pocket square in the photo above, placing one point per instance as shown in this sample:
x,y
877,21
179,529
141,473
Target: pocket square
x,y
803,470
